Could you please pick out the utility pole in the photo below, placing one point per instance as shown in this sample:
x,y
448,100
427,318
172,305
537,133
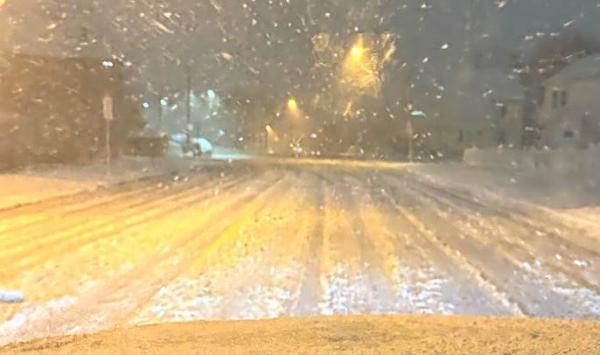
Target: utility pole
x,y
108,113
160,110
410,133
189,127
409,126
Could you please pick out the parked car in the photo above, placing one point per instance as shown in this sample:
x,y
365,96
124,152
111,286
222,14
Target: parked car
x,y
194,146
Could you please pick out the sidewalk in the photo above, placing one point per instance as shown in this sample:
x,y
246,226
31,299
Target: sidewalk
x,y
42,182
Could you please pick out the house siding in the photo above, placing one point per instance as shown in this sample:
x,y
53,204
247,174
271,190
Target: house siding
x,y
572,120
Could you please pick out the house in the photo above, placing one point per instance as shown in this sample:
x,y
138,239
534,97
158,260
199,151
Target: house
x,y
569,114
489,113
499,98
52,108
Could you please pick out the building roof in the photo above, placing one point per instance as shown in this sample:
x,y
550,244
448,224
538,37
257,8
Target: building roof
x,y
586,68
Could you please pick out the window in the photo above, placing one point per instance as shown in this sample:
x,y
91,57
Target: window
x,y
563,98
555,96
559,98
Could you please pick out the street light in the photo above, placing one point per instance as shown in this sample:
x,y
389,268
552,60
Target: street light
x,y
360,70
292,105
357,52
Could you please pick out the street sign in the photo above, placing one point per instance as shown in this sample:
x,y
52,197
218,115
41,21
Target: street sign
x,y
107,108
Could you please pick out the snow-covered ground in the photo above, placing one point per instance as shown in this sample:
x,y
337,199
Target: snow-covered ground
x,y
563,179
43,182
569,196
259,241
562,191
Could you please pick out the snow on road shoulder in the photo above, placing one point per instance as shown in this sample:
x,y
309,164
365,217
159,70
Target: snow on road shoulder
x,y
39,183
563,201
19,189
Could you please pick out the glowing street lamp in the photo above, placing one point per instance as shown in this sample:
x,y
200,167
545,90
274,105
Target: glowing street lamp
x,y
360,72
292,105
357,52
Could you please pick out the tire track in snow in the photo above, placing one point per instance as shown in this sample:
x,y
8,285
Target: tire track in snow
x,y
79,202
58,269
373,250
427,280
309,286
520,213
208,241
21,257
349,276
100,213
431,229
269,293
80,199
583,264
25,220
115,300
530,242
252,276
416,286
530,261
66,275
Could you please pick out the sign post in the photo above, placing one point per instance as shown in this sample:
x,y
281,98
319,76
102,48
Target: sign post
x,y
107,111
410,134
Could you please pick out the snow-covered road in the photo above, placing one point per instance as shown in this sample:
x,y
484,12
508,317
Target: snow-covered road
x,y
255,242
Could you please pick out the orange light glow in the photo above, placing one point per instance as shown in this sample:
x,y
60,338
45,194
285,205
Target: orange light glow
x,y
357,52
292,105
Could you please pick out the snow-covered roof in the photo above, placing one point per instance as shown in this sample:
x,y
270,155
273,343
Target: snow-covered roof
x,y
586,68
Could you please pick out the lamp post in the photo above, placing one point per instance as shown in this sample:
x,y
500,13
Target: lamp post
x,y
188,102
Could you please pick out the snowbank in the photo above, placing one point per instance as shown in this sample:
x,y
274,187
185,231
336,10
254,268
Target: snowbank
x,y
581,163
